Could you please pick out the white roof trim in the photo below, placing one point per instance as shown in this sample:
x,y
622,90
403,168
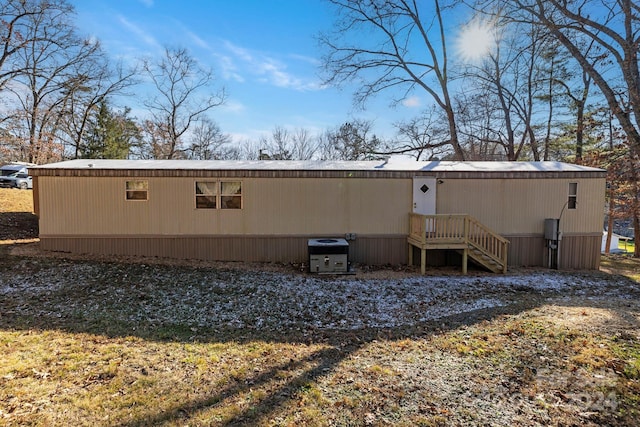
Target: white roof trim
x,y
382,165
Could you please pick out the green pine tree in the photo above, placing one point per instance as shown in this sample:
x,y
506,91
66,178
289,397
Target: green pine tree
x,y
111,134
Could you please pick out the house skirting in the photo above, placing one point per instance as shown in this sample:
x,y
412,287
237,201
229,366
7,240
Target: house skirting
x,y
374,250
576,252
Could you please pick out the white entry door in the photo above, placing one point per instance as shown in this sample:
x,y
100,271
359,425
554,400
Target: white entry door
x,y
424,195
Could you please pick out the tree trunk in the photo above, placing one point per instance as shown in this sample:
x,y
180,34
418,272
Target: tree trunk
x,y
612,204
636,209
453,131
636,233
579,131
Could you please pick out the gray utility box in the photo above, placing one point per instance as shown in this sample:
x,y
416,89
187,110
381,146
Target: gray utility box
x,y
551,229
328,255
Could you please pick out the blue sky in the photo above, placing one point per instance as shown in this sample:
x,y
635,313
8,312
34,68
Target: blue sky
x,y
264,53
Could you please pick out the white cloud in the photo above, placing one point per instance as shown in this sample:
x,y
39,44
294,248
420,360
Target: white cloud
x,y
139,32
275,74
250,136
308,59
229,69
239,52
233,106
267,69
411,102
197,40
147,3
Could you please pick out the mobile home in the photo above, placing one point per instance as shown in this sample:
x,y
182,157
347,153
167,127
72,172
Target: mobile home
x,y
268,210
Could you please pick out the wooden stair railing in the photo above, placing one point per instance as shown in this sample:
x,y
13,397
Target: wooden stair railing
x,y
460,232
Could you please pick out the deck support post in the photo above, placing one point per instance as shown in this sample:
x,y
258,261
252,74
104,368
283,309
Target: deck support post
x,y
423,257
465,256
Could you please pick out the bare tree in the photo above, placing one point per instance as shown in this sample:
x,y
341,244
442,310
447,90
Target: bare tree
x,y
97,81
567,83
351,141
14,134
279,145
480,125
183,95
153,145
52,66
613,26
208,142
249,149
421,137
284,144
17,32
404,50
555,72
304,145
509,75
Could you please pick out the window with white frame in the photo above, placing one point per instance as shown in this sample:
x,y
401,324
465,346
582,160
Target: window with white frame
x,y
231,195
218,195
206,195
572,202
137,190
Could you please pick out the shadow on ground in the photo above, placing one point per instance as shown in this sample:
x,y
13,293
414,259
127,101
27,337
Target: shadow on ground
x,y
18,226
112,299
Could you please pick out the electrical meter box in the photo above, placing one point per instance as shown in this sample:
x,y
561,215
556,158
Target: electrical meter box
x,y
551,226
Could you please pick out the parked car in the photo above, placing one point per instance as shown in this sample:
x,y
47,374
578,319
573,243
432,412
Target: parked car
x,y
15,176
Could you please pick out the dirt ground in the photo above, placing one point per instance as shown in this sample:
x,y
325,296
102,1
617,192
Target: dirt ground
x,y
17,220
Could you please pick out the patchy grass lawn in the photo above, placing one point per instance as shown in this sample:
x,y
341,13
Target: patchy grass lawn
x,y
105,343
629,246
17,221
621,264
14,200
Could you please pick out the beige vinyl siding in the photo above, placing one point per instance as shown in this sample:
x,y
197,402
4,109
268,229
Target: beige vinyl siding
x,y
308,206
519,206
578,252
97,206
370,250
330,205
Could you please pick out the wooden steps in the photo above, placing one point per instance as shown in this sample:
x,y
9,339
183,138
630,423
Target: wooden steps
x,y
486,261
462,233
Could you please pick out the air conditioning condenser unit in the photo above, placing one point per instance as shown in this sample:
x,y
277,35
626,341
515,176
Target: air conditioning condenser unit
x,y
328,255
